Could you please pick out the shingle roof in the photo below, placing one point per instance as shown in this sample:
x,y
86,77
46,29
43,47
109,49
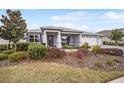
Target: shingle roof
x,y
61,28
34,30
64,29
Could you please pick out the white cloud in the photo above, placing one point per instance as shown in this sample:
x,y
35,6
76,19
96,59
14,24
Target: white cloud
x,y
74,16
113,16
71,25
33,26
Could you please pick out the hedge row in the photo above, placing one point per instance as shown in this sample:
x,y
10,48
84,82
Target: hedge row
x,y
3,47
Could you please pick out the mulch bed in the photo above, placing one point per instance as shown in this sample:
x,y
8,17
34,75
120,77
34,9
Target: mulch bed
x,y
86,62
89,62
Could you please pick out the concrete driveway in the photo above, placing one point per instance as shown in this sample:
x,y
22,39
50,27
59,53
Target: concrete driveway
x,y
119,80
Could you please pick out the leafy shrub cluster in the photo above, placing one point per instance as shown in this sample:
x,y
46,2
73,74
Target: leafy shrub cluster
x,y
3,47
112,43
85,45
111,51
55,53
37,51
22,46
70,47
17,56
8,52
96,49
3,56
109,62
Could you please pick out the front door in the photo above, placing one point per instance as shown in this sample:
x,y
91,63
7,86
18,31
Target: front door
x,y
50,40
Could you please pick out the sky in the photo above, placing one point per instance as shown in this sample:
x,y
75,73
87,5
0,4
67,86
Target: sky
x,y
91,20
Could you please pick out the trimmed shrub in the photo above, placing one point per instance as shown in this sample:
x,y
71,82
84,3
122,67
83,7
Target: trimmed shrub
x,y
56,53
37,51
85,45
22,46
17,56
111,51
109,62
67,47
8,52
3,56
96,49
3,47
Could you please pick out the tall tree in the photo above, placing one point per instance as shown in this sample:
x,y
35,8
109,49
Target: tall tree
x,y
116,35
13,26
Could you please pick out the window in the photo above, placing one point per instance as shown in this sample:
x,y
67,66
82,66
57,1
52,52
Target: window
x,y
35,38
65,40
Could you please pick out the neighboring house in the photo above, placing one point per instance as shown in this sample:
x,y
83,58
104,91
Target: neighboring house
x,y
106,35
59,36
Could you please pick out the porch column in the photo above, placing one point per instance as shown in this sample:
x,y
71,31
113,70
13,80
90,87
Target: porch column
x,y
59,41
80,40
45,38
27,37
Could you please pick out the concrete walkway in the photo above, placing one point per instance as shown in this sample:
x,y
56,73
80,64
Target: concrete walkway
x,y
119,80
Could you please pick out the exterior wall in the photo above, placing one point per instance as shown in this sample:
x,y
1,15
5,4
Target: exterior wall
x,y
92,40
3,41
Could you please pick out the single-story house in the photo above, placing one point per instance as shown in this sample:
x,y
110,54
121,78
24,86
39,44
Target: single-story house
x,y
58,36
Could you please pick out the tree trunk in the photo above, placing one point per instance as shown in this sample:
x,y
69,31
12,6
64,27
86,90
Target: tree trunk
x,y
9,45
15,47
116,42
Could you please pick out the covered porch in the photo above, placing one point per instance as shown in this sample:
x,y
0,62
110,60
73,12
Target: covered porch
x,y
59,39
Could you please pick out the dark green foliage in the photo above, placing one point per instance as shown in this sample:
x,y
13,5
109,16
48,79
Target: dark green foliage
x,y
37,51
8,52
13,26
3,56
3,47
22,46
17,56
55,53
116,35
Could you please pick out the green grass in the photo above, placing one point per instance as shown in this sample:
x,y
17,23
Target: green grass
x,y
53,72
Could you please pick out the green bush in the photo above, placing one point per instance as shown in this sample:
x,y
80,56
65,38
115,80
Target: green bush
x,y
85,45
3,56
98,64
96,49
67,47
3,47
17,56
37,51
22,46
8,52
109,62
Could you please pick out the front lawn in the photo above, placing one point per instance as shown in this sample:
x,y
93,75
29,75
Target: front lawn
x,y
54,72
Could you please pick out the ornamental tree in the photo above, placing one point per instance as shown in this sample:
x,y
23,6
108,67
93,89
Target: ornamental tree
x,y
13,26
116,35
